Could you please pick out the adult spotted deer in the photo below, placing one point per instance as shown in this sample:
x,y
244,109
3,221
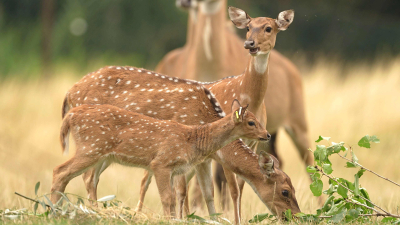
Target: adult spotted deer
x,y
105,133
214,52
189,103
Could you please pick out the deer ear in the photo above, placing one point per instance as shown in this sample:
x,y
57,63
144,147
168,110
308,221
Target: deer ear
x,y
267,164
239,17
237,110
244,109
285,18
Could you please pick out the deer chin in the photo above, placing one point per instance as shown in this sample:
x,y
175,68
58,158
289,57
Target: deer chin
x,y
254,51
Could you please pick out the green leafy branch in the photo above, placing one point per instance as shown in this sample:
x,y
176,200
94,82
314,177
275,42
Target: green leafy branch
x,y
346,200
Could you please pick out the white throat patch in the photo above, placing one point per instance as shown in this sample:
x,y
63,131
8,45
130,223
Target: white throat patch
x,y
207,39
261,62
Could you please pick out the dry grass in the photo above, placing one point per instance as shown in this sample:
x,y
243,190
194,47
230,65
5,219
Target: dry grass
x,y
365,102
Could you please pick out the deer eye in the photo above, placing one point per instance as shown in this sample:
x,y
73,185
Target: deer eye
x,y
251,123
268,29
247,28
285,193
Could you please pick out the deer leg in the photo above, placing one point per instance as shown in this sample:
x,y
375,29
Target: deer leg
x,y
234,190
146,180
240,182
163,181
220,180
197,198
299,136
189,176
180,188
91,180
204,177
63,173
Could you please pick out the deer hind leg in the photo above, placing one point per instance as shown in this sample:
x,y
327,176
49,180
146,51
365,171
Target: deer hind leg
x,y
144,186
63,173
91,180
189,176
204,177
221,182
299,136
164,185
235,193
240,182
180,192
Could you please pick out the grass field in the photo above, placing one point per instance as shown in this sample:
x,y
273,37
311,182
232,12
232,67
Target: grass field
x,y
364,99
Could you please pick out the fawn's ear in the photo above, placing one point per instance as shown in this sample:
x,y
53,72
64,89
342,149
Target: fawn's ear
x,y
239,17
267,163
285,18
237,110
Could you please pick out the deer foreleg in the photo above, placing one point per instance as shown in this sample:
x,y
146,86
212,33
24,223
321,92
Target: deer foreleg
x,y
204,177
235,193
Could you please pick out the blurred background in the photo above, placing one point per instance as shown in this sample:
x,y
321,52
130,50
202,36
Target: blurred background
x,y
347,52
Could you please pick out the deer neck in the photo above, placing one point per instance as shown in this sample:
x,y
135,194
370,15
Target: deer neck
x,y
240,159
192,20
255,81
209,46
213,136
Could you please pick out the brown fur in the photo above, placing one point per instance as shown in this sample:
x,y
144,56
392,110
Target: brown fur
x,y
92,89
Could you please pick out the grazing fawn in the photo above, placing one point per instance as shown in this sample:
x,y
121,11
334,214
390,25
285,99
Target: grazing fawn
x,y
184,101
166,148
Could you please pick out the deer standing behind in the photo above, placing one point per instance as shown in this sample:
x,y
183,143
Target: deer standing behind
x,y
212,51
164,147
189,103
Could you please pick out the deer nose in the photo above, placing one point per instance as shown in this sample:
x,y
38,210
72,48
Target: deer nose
x,y
269,136
249,44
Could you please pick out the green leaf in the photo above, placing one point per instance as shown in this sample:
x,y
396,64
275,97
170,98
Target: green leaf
x,y
320,154
195,217
311,169
388,219
35,207
328,204
320,138
360,172
353,214
327,168
316,187
356,185
350,165
37,187
50,204
315,176
339,216
342,191
354,157
288,214
336,148
365,194
259,217
365,141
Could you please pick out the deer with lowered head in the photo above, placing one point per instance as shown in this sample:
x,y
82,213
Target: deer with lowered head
x,y
164,147
189,103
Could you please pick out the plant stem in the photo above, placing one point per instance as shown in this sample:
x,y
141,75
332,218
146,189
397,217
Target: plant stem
x,y
369,170
33,200
376,214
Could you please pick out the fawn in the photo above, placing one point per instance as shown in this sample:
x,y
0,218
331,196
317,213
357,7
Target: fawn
x,y
164,147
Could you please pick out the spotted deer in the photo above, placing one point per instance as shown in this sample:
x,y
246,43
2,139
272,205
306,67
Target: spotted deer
x,y
189,103
105,133
213,51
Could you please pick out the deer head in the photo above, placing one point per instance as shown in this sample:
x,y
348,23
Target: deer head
x,y
261,31
282,196
247,123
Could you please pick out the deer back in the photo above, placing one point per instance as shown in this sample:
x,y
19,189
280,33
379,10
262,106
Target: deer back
x,y
148,93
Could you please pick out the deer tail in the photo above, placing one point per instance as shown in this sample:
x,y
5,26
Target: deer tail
x,y
65,107
64,134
